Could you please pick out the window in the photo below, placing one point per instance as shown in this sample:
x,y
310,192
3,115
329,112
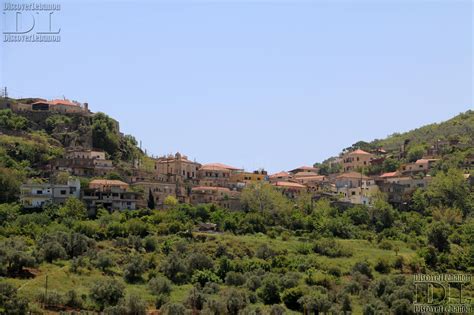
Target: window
x,y
62,192
39,192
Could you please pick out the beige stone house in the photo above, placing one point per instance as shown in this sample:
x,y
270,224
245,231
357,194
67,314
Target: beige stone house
x,y
176,168
355,188
221,196
355,160
216,174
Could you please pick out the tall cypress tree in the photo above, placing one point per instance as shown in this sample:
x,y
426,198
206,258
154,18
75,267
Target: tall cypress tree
x,y
151,200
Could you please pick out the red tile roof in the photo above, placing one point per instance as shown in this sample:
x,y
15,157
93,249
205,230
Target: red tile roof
x,y
57,102
390,174
289,185
305,168
353,175
306,174
359,151
218,166
280,174
107,182
62,102
313,178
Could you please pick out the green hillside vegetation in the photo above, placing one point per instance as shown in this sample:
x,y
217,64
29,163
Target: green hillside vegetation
x,y
27,145
460,128
275,256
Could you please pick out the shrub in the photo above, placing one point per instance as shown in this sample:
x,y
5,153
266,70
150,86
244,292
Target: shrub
x,y
161,299
72,299
107,292
150,243
173,309
53,299
383,265
204,276
253,283
195,299
318,278
14,255
290,280
10,302
264,252
137,227
198,261
235,278
159,286
132,305
235,301
134,270
174,269
386,245
277,309
399,262
331,248
269,292
52,251
104,261
363,268
291,297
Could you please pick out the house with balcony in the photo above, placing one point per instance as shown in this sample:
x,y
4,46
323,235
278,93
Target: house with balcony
x,y
85,163
421,166
221,196
38,195
280,177
355,188
290,189
399,187
110,195
356,160
216,174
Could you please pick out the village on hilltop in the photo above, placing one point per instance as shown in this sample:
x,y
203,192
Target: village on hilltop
x,y
176,176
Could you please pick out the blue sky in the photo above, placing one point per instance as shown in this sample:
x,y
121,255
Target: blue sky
x,y
274,84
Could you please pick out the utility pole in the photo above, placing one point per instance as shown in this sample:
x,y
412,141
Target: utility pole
x,y
5,92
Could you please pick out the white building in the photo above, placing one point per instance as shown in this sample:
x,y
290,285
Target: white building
x,y
38,195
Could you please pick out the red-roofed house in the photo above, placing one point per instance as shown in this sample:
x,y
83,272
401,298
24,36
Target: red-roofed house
x,y
280,176
357,159
290,189
420,166
216,174
301,169
63,106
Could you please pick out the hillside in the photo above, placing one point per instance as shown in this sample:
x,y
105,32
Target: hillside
x,y
452,140
276,254
459,128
